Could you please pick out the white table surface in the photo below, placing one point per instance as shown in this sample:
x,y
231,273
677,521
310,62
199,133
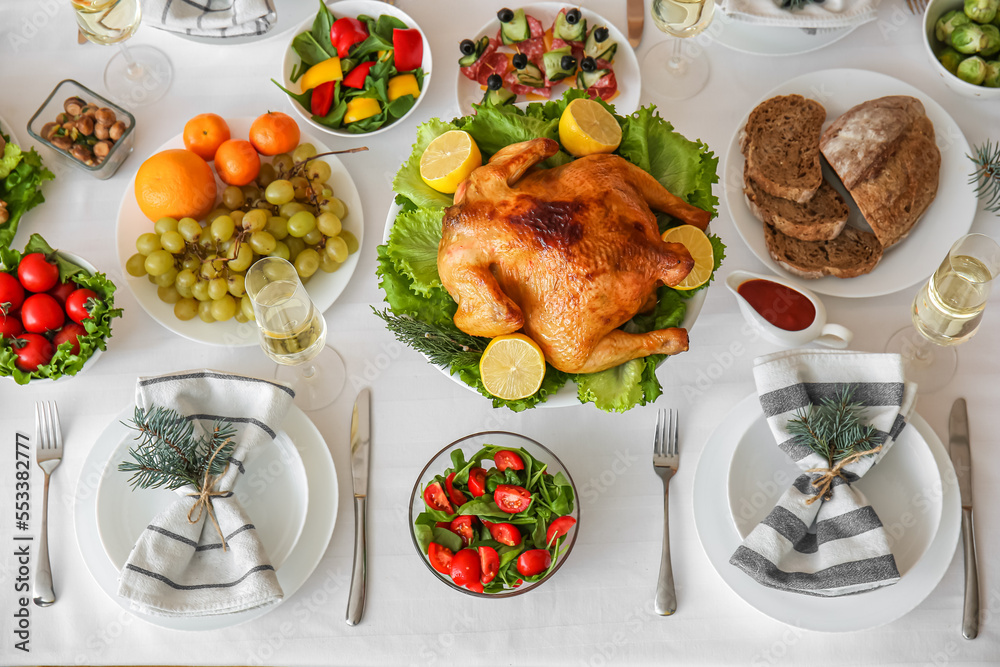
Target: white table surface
x,y
598,609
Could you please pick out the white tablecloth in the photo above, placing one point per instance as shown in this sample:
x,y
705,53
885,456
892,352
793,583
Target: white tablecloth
x,y
598,609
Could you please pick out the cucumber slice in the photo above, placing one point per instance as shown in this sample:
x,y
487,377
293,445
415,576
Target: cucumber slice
x,y
500,97
530,76
600,50
466,61
563,29
552,61
515,30
585,80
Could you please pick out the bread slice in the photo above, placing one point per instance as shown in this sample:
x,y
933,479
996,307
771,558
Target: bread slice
x,y
852,253
821,218
781,144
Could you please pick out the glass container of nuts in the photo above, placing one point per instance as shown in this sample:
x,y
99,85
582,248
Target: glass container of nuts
x,y
84,129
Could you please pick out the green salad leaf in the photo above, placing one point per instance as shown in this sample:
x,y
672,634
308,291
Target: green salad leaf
x,y
21,178
11,156
413,247
407,182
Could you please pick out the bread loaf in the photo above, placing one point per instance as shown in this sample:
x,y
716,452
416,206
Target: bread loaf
x,y
820,219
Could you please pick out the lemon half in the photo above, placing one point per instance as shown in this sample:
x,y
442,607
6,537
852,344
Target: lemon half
x,y
700,247
512,367
448,160
586,128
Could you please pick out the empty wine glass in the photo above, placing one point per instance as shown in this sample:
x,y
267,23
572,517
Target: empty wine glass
x,y
667,71
947,311
293,333
138,75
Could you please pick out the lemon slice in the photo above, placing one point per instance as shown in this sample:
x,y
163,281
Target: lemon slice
x,y
700,248
449,160
512,367
586,128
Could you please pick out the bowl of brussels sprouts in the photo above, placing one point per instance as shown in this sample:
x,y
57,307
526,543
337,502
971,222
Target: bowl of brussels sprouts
x,y
963,41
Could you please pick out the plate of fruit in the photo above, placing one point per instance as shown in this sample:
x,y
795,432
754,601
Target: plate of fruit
x,y
188,230
535,52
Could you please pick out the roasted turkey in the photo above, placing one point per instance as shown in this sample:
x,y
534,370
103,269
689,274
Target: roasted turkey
x,y
568,255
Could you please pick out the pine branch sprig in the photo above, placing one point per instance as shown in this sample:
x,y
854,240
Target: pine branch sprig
x,y
834,429
442,346
986,177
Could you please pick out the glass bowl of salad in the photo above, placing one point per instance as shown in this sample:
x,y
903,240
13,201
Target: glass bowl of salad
x,y
494,514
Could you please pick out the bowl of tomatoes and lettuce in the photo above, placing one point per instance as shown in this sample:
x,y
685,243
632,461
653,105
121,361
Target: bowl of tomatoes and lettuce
x,y
498,523
55,312
357,68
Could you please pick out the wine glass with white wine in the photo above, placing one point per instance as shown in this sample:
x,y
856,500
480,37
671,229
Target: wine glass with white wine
x,y
293,333
947,311
667,71
137,75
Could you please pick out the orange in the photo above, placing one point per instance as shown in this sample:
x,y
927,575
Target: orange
x,y
273,133
204,133
236,162
175,183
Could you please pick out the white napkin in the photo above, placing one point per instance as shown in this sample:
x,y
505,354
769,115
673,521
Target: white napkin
x,y
836,546
178,568
828,14
211,18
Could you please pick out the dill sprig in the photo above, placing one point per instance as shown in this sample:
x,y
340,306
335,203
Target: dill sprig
x,y
169,455
833,429
986,177
443,346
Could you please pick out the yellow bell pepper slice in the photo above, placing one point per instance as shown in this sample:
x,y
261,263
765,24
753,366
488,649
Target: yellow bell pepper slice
x,y
360,108
404,84
328,70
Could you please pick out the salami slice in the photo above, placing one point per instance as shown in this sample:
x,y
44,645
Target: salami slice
x,y
535,26
534,48
497,63
605,87
472,71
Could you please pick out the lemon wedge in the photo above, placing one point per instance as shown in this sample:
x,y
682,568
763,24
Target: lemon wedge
x,y
586,128
512,367
448,160
700,247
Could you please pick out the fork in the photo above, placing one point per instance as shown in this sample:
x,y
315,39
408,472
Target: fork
x,y
48,452
916,6
665,462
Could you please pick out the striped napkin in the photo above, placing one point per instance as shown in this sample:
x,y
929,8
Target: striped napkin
x,y
211,18
826,14
837,546
178,568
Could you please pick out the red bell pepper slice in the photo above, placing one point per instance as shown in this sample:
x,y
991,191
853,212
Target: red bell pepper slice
x,y
408,49
345,33
322,98
356,77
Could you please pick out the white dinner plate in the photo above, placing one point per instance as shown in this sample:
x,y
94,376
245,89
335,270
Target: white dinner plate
x,y
913,489
625,65
765,40
353,9
96,521
948,217
324,288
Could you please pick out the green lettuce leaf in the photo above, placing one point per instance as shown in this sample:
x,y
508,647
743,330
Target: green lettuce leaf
x,y
413,247
408,182
434,307
21,189
11,156
615,390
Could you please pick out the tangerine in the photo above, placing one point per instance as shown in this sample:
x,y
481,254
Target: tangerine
x,y
204,133
236,162
274,132
175,183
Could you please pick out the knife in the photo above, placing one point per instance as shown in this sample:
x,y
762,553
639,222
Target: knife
x,y
636,15
360,452
961,457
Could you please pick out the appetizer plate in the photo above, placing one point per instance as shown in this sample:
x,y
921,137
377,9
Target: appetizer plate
x,y
301,483
767,40
914,258
625,64
567,394
914,491
353,8
324,288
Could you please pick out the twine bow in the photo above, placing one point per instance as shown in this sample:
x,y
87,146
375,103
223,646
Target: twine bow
x,y
205,494
824,483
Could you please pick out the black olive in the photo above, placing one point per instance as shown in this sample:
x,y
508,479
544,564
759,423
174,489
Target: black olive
x,y
601,34
567,62
519,61
467,47
494,82
505,15
588,64
573,16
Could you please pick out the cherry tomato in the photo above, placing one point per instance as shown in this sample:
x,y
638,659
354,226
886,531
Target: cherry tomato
x,y
70,334
533,561
558,528
36,273
475,587
505,533
10,325
508,459
477,482
41,313
63,290
11,293
76,304
456,496
440,558
489,563
32,350
462,526
465,567
512,499
435,498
